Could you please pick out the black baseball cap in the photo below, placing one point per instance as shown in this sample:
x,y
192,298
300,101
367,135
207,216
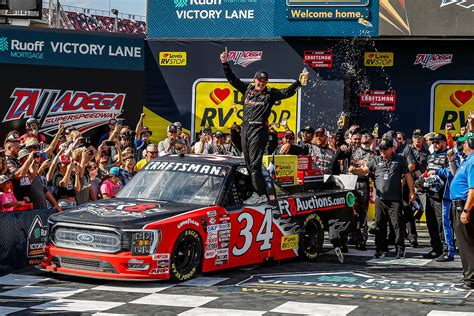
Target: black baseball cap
x,y
261,75
438,136
171,128
365,132
207,130
320,130
386,143
308,129
290,133
417,132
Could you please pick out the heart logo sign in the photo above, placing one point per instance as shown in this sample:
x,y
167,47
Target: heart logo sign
x,y
459,98
218,95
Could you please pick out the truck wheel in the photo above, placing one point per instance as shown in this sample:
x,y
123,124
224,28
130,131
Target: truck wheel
x,y
186,256
311,237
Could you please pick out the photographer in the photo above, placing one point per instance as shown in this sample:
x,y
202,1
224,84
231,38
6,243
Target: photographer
x,y
19,172
219,147
167,146
205,140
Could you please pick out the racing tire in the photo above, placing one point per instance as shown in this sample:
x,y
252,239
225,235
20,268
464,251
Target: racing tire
x,y
311,237
186,256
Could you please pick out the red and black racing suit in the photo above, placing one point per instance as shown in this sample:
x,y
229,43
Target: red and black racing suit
x,y
257,109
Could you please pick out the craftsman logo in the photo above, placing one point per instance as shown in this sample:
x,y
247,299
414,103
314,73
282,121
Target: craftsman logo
x,y
3,44
186,167
245,58
85,110
318,58
433,61
173,58
378,59
378,100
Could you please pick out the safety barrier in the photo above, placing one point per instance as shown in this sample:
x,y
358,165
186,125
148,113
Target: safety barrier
x,y
22,236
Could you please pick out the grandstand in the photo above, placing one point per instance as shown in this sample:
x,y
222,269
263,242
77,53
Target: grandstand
x,y
56,15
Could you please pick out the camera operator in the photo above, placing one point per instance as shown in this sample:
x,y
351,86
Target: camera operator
x,y
168,145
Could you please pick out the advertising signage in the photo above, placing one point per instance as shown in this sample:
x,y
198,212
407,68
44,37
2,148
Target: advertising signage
x,y
71,49
261,19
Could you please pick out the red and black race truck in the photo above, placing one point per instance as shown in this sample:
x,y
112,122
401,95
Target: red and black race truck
x,y
184,214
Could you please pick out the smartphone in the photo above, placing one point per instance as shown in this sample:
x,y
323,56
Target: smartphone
x,y
110,143
86,141
36,155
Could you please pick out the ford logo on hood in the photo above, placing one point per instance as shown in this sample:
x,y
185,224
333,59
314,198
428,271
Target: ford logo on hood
x,y
88,238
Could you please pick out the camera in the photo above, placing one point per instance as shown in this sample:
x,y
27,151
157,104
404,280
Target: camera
x,y
36,155
128,135
86,141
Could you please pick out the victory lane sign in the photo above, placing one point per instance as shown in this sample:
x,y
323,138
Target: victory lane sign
x,y
217,104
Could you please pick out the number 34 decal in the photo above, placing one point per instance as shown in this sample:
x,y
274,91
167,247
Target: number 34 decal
x,y
264,234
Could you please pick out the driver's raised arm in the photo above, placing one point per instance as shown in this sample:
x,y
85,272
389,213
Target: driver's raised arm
x,y
233,80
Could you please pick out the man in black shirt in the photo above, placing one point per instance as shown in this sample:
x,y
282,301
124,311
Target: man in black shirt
x,y
258,102
18,172
434,210
388,168
417,156
288,148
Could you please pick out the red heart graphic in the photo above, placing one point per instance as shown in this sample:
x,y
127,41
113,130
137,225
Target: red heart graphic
x,y
219,95
459,98
165,55
463,96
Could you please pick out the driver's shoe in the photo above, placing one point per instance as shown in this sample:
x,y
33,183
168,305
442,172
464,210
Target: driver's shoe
x,y
256,199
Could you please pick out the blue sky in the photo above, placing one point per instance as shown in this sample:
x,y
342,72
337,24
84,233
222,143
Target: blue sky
x,y
126,6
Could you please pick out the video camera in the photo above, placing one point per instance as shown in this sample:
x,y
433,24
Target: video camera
x,y
128,135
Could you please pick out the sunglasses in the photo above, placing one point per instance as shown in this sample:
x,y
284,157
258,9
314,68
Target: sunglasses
x,y
417,137
92,167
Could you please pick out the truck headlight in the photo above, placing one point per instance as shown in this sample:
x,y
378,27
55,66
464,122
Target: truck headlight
x,y
144,242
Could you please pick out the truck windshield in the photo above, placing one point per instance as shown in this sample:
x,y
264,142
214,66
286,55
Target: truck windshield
x,y
172,186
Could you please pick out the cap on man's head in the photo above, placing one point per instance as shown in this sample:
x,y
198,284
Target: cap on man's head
x,y
23,153
31,141
219,134
308,129
171,128
145,129
261,75
365,132
386,143
290,134
438,136
151,147
4,178
207,130
429,135
10,140
178,125
417,132
320,130
468,136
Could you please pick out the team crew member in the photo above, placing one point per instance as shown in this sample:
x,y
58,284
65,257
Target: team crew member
x,y
258,102
360,157
323,157
462,196
420,154
434,209
388,168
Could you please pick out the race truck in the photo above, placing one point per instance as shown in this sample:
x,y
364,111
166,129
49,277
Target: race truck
x,y
184,214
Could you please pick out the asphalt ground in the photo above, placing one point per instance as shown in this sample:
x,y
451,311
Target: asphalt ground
x,y
359,286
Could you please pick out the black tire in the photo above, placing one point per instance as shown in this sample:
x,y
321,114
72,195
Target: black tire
x,y
186,256
311,237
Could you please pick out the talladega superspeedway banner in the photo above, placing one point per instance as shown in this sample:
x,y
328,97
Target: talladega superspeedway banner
x,y
78,86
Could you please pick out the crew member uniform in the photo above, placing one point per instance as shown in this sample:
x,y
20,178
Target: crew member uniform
x,y
434,207
464,181
360,156
257,108
388,202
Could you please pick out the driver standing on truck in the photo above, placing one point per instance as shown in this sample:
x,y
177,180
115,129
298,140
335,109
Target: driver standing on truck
x,y
258,102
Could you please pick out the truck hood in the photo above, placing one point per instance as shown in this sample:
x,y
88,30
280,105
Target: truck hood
x,y
122,213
